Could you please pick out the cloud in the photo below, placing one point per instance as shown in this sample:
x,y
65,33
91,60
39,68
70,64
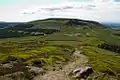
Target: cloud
x,y
99,10
103,11
74,6
60,7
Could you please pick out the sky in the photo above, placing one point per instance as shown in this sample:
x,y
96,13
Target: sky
x,y
29,10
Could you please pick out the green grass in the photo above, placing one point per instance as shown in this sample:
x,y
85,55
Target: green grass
x,y
47,55
102,60
2,57
55,49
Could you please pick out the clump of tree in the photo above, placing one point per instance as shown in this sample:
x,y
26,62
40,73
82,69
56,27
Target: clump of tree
x,y
19,32
111,47
76,22
116,34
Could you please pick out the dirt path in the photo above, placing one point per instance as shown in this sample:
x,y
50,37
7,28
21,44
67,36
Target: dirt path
x,y
80,61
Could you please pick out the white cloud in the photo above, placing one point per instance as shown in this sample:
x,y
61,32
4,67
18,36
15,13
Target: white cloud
x,y
104,11
99,10
103,1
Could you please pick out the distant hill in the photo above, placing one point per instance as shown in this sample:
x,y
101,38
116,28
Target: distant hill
x,y
63,20
8,24
111,24
42,27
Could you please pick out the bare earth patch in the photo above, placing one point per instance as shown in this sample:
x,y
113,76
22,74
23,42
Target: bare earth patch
x,y
80,61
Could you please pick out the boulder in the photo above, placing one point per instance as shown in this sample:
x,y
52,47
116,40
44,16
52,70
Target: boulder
x,y
82,72
8,65
13,76
11,64
35,70
11,67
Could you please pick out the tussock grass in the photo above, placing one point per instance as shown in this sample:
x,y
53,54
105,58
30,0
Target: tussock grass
x,y
102,60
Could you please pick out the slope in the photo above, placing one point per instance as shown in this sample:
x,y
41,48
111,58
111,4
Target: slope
x,y
57,47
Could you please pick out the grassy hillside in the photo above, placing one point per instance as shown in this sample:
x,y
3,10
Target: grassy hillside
x,y
51,42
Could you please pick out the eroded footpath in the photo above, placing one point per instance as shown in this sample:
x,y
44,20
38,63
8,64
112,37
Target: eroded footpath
x,y
80,61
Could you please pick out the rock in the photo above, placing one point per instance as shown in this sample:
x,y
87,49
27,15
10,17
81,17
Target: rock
x,y
11,67
82,72
11,64
8,65
36,70
13,76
